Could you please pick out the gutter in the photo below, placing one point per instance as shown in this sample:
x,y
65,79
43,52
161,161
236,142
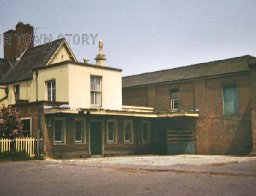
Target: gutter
x,y
36,86
122,113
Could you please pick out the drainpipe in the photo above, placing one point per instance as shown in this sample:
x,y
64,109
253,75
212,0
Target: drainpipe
x,y
36,86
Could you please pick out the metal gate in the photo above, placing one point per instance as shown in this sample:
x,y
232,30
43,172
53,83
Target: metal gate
x,y
180,142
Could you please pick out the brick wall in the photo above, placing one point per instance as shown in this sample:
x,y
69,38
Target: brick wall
x,y
71,149
16,41
135,97
25,38
215,133
10,44
253,108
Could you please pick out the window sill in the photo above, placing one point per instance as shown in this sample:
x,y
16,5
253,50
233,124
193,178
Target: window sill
x,y
59,143
232,116
110,142
79,143
127,142
175,110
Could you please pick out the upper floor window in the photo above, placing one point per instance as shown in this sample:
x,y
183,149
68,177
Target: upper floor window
x,y
230,100
17,92
146,135
175,101
51,90
112,129
128,131
96,92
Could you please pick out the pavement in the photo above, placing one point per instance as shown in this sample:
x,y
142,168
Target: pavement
x,y
131,175
221,165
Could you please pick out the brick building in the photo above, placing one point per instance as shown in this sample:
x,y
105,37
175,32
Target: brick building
x,y
76,108
81,109
17,41
222,92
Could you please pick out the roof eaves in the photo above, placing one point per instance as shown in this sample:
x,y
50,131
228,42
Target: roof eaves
x,y
76,63
63,41
188,79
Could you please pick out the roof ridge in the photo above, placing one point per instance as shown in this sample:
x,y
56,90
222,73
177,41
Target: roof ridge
x,y
191,65
35,56
47,43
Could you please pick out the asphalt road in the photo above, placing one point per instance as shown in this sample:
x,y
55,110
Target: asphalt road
x,y
91,178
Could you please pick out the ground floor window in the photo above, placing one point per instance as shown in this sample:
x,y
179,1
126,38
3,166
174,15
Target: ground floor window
x,y
27,126
146,133
128,131
79,130
111,128
59,130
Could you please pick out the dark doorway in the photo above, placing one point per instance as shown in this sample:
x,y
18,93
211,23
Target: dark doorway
x,y
96,137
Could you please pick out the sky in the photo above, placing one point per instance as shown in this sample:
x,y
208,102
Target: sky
x,y
140,36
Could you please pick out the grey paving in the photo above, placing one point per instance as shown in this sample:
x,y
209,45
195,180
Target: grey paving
x,y
133,175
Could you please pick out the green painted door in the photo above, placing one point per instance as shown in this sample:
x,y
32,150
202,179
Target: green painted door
x,y
96,138
180,142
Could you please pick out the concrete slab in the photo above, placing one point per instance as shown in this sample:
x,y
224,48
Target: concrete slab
x,y
225,165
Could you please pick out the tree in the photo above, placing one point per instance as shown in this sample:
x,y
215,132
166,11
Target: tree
x,y
10,122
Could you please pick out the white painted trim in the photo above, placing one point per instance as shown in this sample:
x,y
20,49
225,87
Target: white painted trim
x,y
115,132
96,91
64,131
83,131
28,118
122,113
131,141
56,51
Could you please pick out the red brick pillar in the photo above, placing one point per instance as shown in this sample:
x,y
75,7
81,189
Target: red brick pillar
x,y
253,121
253,105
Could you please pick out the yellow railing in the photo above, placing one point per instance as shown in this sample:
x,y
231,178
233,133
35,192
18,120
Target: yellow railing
x,y
5,145
27,144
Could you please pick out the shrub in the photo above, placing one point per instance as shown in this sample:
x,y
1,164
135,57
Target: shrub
x,y
10,123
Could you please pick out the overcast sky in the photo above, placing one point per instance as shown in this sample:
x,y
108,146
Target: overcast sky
x,y
141,36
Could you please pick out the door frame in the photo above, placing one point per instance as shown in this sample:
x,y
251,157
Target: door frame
x,y
102,136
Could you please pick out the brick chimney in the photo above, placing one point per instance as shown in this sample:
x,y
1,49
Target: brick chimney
x,y
16,41
101,58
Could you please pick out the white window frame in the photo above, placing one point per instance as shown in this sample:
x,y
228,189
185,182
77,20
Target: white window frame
x,y
63,130
83,130
114,141
173,103
95,92
30,119
149,132
131,132
51,90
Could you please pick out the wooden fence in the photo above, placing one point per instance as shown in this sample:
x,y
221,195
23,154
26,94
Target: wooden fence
x,y
23,144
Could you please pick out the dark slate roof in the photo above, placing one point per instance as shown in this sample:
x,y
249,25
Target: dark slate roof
x,y
227,66
33,58
4,66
